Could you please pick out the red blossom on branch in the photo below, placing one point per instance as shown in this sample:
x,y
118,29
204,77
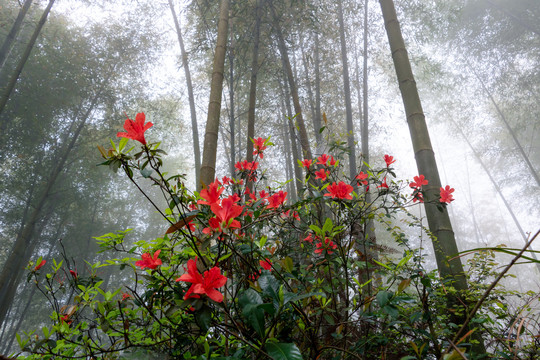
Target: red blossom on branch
x,y
259,146
321,174
306,163
340,191
276,200
245,165
362,178
418,182
148,261
266,264
225,214
40,265
323,159
211,194
206,283
389,160
446,194
332,161
135,129
383,185
328,246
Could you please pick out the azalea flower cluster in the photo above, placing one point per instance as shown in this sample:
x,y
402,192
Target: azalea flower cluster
x,y
321,246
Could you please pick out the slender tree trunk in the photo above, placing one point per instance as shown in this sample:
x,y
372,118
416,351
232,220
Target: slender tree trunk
x,y
231,102
317,120
304,140
285,106
307,79
208,167
444,242
253,86
289,162
21,315
18,257
192,109
514,18
17,72
347,92
508,127
498,189
365,118
7,46
369,227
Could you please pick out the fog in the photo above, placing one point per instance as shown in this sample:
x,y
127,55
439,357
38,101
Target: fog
x,y
476,64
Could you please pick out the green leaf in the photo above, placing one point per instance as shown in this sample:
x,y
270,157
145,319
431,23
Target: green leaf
x,y
122,144
146,172
288,264
203,318
283,351
383,297
289,296
327,227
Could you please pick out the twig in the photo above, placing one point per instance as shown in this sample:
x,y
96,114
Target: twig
x,y
491,287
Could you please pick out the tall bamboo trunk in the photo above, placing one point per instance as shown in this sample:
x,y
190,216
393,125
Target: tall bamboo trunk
x,y
191,97
304,140
20,65
347,92
7,46
317,120
253,86
444,242
208,166
231,103
286,106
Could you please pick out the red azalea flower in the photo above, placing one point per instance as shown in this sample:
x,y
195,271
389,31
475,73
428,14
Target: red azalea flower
x,y
126,296
73,273
40,265
332,161
418,182
266,264
263,194
362,178
277,200
306,163
234,197
259,146
203,284
321,174
340,191
251,195
446,194
418,196
191,226
309,239
225,214
323,159
383,185
226,180
389,160
328,246
65,319
149,261
245,165
211,194
135,129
